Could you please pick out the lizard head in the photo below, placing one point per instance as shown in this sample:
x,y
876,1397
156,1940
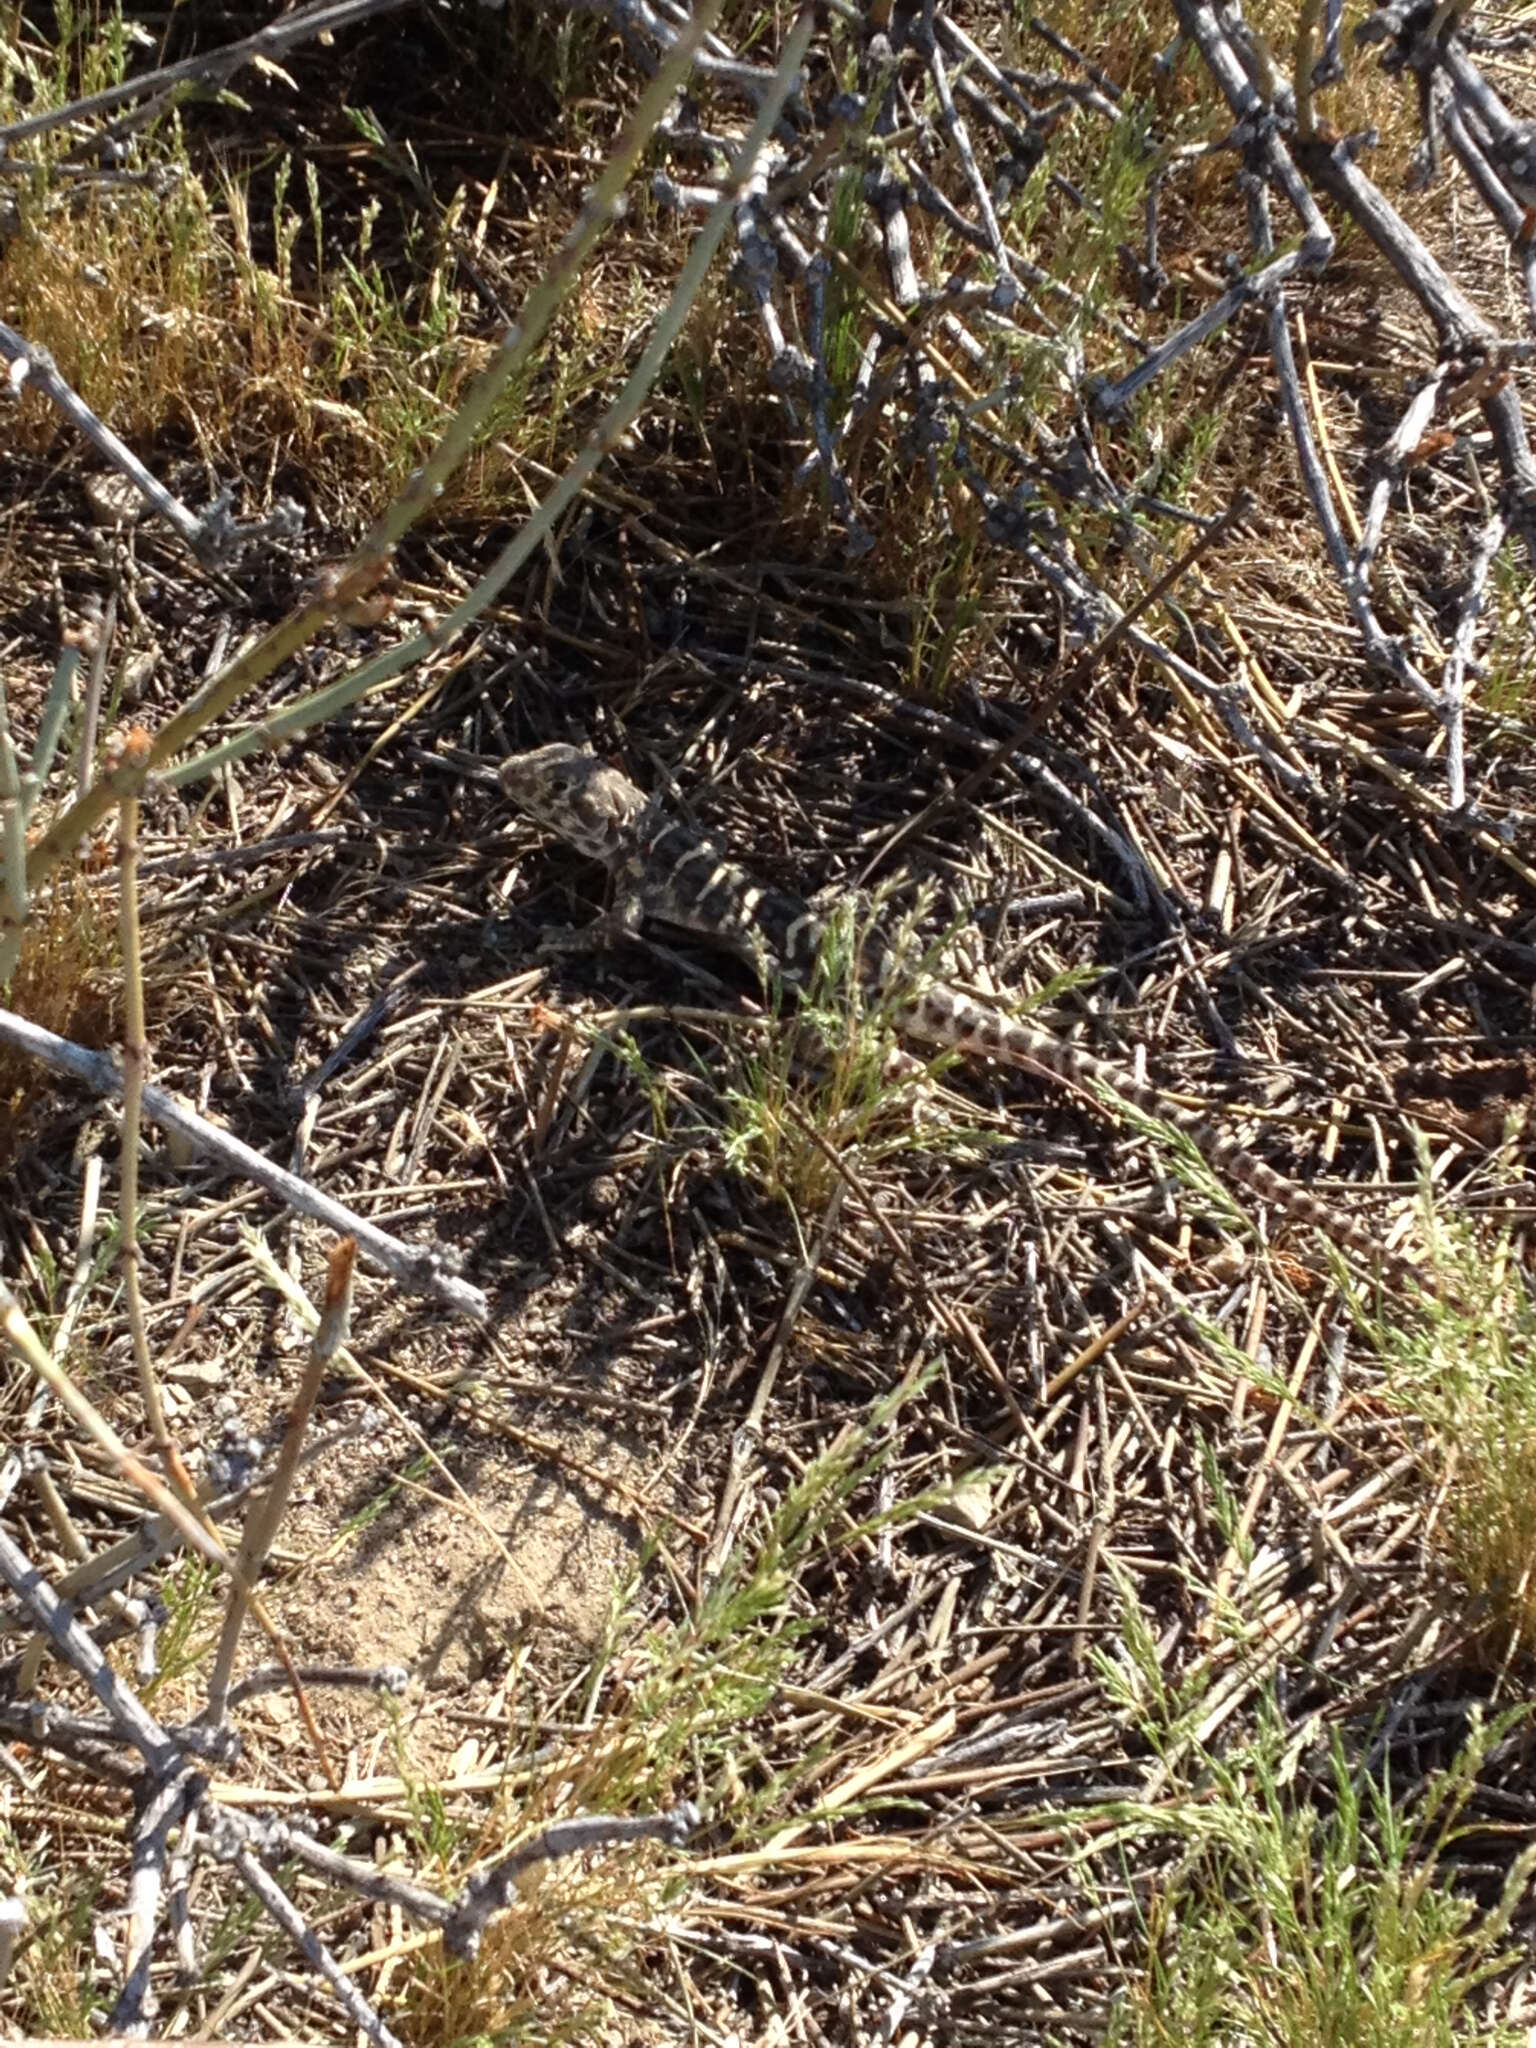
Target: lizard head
x,y
589,804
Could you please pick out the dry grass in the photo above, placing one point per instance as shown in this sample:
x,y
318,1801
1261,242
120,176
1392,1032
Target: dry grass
x,y
244,307
1469,1384
66,982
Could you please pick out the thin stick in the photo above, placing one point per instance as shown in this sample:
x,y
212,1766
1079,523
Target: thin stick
x,y
214,67
1220,529
135,1075
266,1512
13,849
281,1908
24,1341
422,1269
160,1819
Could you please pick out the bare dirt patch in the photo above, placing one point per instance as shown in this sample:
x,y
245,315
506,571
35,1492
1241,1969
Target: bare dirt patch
x,y
449,1585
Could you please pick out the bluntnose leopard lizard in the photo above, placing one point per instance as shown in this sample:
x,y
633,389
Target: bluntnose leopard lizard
x,y
664,870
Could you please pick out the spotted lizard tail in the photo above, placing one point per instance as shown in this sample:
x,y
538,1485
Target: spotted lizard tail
x,y
940,1015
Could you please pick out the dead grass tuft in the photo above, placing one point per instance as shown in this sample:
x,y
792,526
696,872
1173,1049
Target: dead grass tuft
x,y
1482,1415
65,984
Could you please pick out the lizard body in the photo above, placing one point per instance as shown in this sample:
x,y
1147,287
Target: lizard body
x,y
664,870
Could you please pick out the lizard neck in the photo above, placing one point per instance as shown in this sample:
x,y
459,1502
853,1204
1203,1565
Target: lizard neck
x,y
688,881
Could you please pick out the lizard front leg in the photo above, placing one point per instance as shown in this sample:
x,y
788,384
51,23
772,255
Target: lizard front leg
x,y
621,919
